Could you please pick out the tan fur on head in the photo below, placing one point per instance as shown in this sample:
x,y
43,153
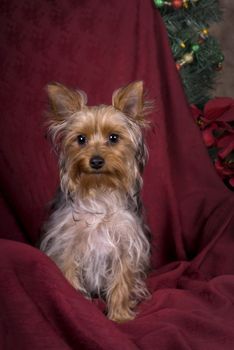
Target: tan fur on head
x,y
131,100
64,101
96,234
70,117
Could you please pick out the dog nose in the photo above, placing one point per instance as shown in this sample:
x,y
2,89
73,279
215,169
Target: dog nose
x,y
96,162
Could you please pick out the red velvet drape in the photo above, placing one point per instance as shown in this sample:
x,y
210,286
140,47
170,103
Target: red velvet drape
x,y
99,46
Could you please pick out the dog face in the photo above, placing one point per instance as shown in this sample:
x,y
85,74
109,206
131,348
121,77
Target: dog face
x,y
100,147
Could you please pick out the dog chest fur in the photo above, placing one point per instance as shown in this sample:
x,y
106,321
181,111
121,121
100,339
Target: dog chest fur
x,y
97,234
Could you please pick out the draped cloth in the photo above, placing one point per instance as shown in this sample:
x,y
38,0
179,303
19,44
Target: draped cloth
x,y
100,46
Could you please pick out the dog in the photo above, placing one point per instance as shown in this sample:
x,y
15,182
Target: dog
x,y
96,233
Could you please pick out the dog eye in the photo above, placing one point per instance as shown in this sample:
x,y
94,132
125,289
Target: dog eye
x,y
113,138
81,139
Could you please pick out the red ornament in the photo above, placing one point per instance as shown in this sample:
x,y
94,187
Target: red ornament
x,y
218,67
177,4
178,66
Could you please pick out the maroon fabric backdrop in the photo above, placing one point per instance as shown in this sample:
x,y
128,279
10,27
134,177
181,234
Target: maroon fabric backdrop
x,y
99,46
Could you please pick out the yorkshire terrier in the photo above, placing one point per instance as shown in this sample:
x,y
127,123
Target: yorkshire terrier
x,y
96,233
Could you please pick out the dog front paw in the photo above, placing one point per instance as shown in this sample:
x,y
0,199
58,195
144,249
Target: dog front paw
x,y
121,316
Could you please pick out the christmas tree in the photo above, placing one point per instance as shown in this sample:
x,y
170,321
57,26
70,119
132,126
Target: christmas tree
x,y
197,54
198,58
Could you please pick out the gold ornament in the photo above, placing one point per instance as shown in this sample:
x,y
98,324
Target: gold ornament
x,y
185,4
204,33
188,57
182,44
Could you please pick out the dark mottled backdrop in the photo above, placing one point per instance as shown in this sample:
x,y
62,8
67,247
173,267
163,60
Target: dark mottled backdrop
x,y
224,31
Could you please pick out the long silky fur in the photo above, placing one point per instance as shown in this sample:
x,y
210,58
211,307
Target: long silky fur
x,y
95,238
96,233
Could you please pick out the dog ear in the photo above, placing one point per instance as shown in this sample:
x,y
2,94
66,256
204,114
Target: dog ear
x,y
131,100
63,102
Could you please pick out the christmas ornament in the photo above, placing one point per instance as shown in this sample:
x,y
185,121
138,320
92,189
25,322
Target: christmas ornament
x,y
188,57
196,53
182,44
218,67
159,3
176,4
204,33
